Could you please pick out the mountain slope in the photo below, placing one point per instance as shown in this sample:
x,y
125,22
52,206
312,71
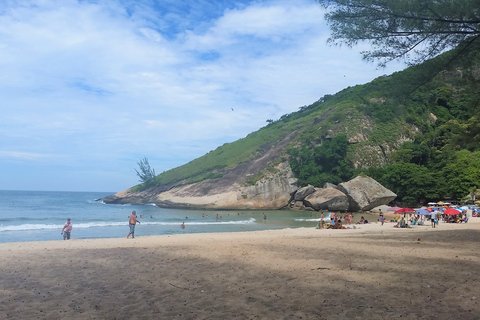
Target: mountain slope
x,y
414,121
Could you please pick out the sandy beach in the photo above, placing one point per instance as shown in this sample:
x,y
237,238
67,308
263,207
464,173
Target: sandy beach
x,y
372,272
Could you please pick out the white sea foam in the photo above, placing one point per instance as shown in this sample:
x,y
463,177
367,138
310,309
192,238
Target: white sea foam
x,y
199,223
312,219
103,224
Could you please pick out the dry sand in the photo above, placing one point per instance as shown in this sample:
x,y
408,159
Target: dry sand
x,y
374,272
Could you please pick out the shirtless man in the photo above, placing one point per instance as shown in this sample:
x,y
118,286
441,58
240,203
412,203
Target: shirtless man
x,y
67,228
132,222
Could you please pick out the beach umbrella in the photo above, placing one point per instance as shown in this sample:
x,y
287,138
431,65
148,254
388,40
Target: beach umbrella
x,y
393,208
429,209
440,202
404,210
423,212
432,203
451,211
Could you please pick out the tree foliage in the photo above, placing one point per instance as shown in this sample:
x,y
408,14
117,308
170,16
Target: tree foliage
x,y
146,173
409,181
413,29
325,163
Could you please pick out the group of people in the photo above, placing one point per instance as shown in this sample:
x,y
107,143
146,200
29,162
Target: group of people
x,y
336,220
334,217
132,222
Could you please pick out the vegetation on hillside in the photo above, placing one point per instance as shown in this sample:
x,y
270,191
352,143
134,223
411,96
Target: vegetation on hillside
x,y
441,160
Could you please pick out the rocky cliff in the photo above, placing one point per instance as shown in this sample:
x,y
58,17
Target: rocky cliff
x,y
274,191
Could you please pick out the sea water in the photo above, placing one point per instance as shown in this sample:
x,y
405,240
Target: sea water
x,y
40,215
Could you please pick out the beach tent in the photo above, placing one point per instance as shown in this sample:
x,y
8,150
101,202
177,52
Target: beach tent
x,y
451,211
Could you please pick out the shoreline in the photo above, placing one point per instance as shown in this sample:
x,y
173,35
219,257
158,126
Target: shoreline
x,y
372,272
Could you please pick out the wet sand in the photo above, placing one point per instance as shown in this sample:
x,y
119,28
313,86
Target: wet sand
x,y
372,272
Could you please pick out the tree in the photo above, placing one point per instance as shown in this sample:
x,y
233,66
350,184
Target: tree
x,y
409,181
146,173
416,30
462,174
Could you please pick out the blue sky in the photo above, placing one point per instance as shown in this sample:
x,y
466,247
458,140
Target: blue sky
x,y
88,88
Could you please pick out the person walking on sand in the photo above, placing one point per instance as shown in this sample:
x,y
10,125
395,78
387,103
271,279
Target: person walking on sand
x,y
131,223
67,228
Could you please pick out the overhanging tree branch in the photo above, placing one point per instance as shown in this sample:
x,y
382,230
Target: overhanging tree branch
x,y
396,28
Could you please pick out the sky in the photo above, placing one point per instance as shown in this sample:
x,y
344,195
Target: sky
x,y
88,88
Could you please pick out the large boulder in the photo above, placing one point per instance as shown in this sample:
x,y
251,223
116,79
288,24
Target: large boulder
x,y
329,185
327,199
303,192
364,193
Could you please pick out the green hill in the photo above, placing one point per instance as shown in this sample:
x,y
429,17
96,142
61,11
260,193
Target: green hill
x,y
417,132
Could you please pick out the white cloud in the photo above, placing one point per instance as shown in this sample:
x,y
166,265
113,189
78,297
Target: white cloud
x,y
103,84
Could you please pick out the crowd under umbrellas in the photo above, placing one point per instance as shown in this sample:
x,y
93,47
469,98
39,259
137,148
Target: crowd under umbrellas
x,y
435,212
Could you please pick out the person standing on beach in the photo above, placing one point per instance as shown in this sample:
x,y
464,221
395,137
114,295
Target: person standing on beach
x,y
67,228
433,216
131,223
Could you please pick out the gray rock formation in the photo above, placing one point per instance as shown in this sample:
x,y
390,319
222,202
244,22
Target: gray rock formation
x,y
327,199
364,193
303,192
330,185
273,191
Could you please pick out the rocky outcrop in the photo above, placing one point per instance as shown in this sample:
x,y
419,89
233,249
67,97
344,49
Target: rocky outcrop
x,y
327,199
329,185
303,192
364,193
273,191
358,194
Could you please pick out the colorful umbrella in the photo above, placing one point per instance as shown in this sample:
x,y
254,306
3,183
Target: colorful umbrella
x,y
404,210
393,208
423,212
451,211
429,209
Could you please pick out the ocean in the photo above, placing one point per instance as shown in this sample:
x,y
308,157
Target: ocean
x,y
40,215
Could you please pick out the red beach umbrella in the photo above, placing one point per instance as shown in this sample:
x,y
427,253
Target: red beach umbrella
x,y
404,210
451,211
429,209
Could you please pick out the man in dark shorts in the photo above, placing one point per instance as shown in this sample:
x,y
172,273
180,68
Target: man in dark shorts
x,y
132,221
